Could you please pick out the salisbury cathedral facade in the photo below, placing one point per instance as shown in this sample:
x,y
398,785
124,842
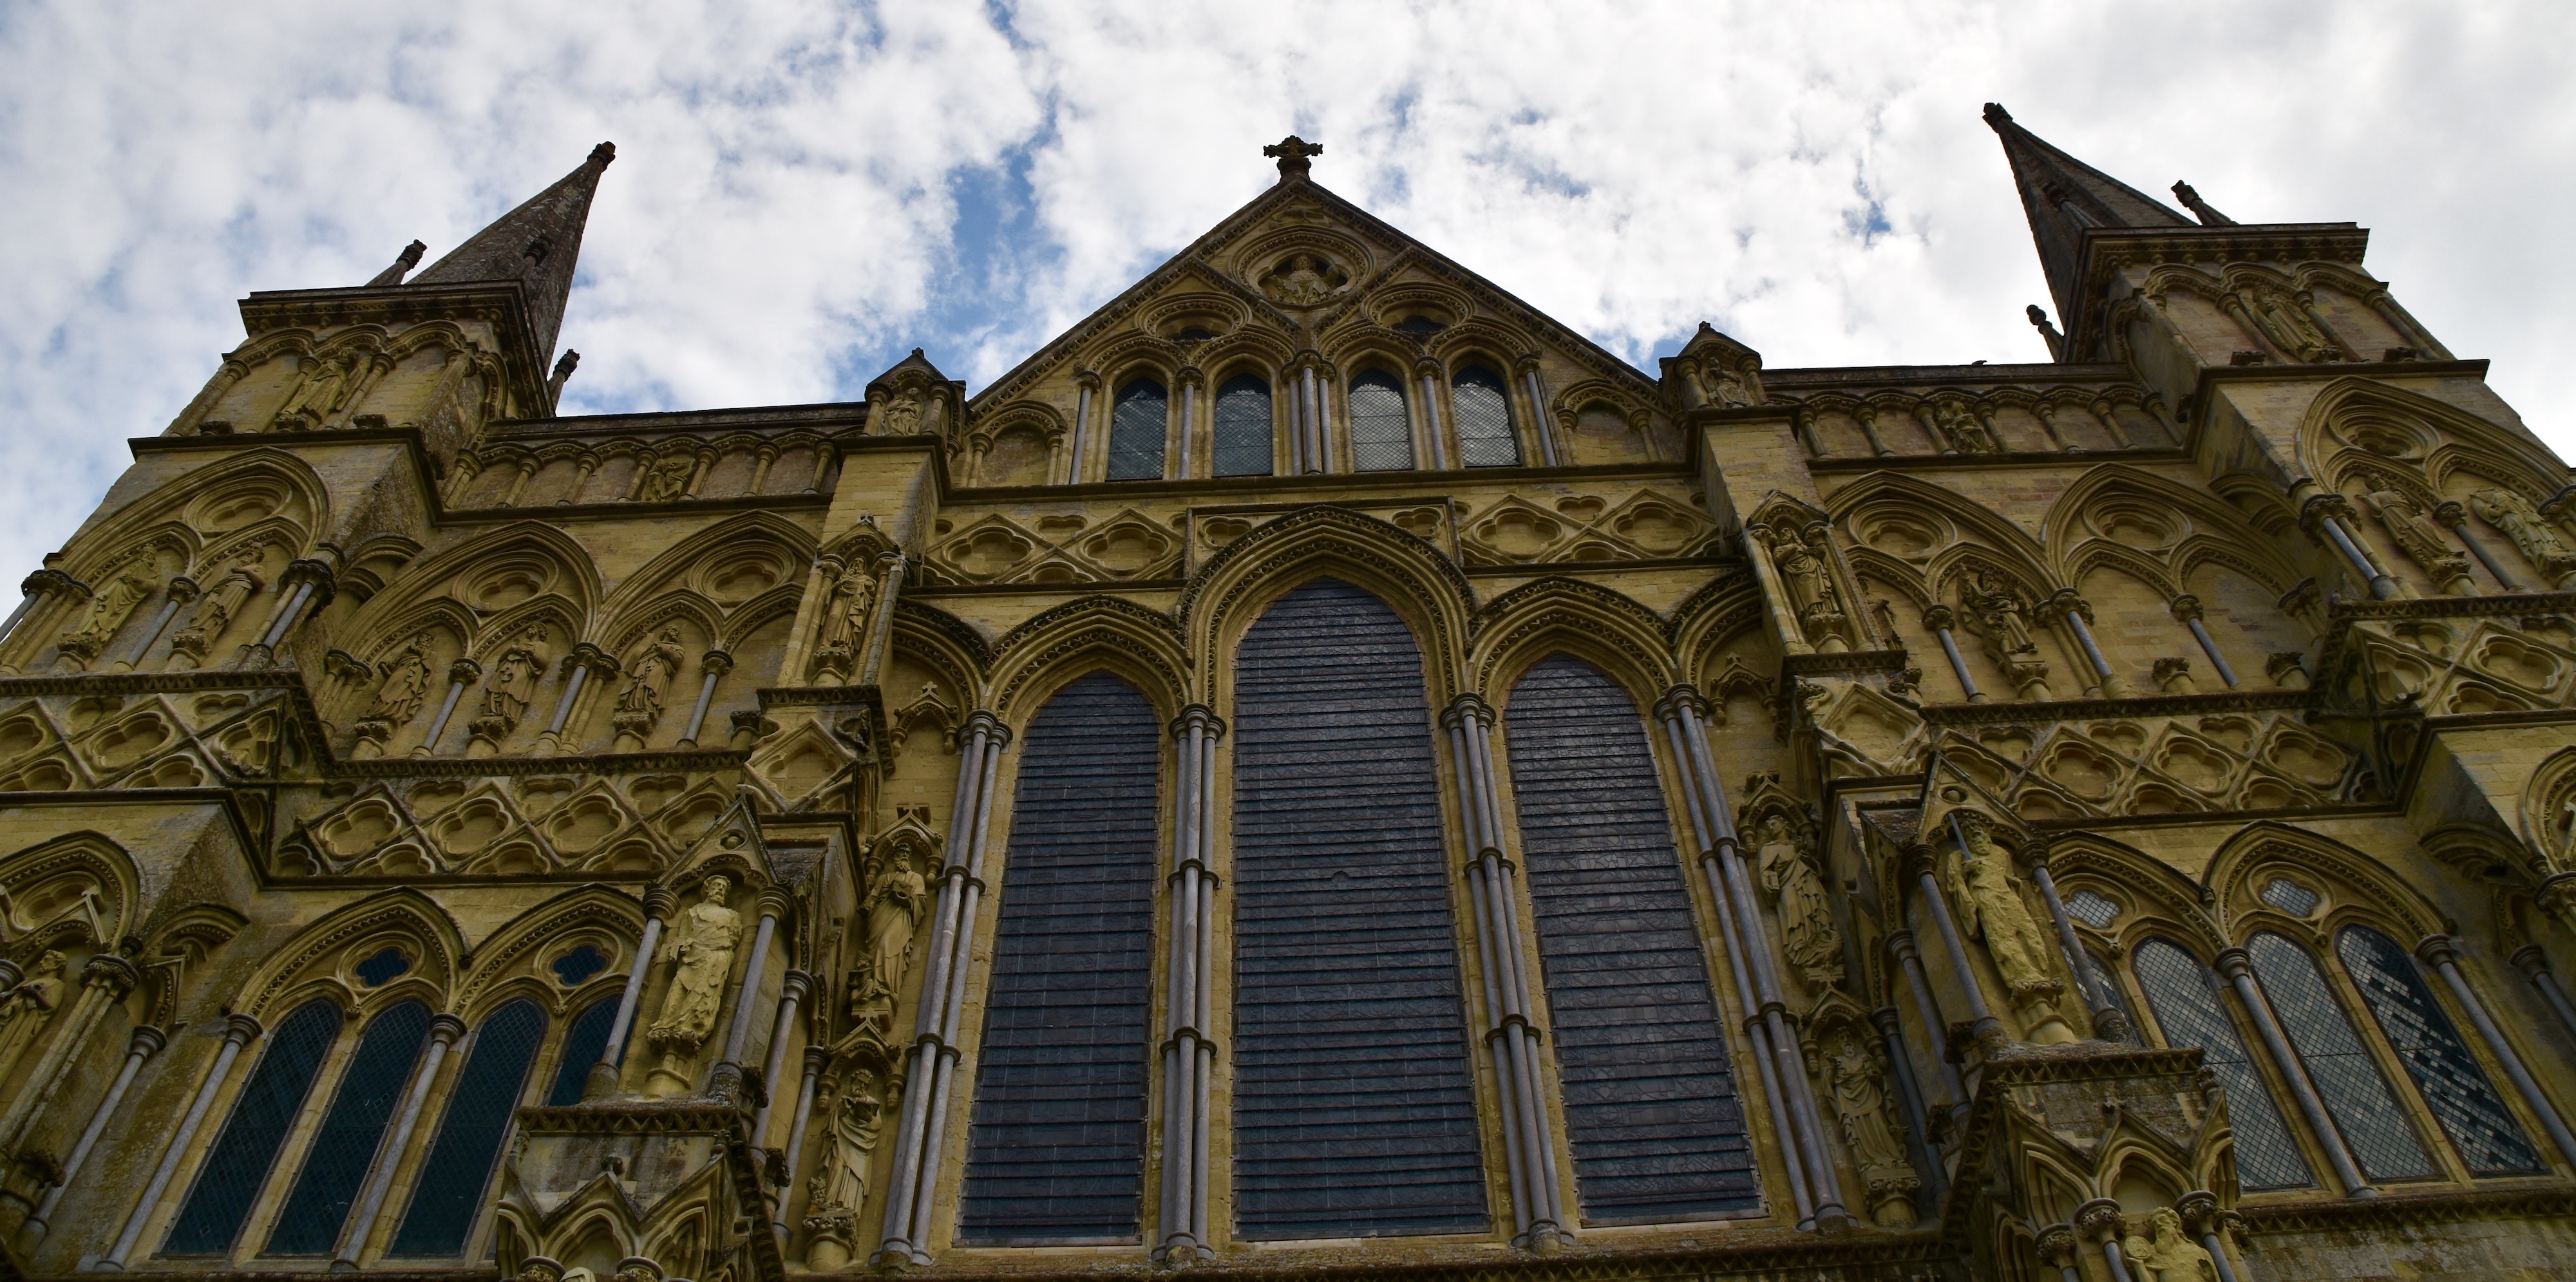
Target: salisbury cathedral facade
x,y
1320,767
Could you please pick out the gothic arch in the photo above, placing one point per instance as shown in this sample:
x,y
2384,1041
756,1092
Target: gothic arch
x,y
586,914
43,888
943,642
1423,586
316,957
571,591
2548,815
2391,414
681,581
2154,898
2369,888
1709,620
1139,646
1982,531
298,502
1604,628
2215,534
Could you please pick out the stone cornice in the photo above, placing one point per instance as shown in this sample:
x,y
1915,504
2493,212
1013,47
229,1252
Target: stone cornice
x,y
819,415
503,304
1991,462
2152,705
2554,1199
2105,252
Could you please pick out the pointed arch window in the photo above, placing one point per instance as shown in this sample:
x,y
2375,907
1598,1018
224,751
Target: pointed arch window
x,y
1056,1148
585,1044
1139,424
448,1190
238,1165
2484,1131
344,1147
1484,413
2184,996
2356,1094
1244,427
1651,1108
1381,430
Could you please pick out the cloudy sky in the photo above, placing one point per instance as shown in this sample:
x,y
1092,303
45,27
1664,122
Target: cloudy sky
x,y
806,190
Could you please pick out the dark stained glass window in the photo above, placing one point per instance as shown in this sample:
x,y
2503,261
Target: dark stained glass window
x,y
1420,326
1381,432
2184,996
448,1190
579,964
585,1044
237,1167
2490,1141
1056,1148
1243,427
386,966
1650,1102
2356,1095
1139,423
1484,413
344,1147
1353,1114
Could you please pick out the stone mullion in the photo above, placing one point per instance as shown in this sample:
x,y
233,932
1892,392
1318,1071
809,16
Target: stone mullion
x,y
2238,968
2440,953
714,663
1189,1053
180,590
658,907
2187,609
1939,618
146,1043
444,1030
1539,425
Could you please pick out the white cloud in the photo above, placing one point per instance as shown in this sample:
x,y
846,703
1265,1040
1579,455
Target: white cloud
x,y
805,190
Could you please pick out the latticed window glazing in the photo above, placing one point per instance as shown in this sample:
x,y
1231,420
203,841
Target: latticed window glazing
x,y
1243,427
2490,1141
1138,424
344,1148
1484,413
1381,431
585,1044
2184,996
448,1191
2356,1094
238,1165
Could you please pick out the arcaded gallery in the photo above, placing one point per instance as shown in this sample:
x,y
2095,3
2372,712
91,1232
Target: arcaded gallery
x,y
1320,769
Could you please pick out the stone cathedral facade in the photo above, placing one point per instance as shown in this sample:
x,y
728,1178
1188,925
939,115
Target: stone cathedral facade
x,y
1320,767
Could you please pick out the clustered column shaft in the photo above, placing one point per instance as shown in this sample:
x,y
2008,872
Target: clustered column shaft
x,y
2109,1023
1511,1038
443,1032
1748,946
932,1064
2238,967
1189,1053
791,995
816,1058
238,1031
658,906
147,1042
2439,952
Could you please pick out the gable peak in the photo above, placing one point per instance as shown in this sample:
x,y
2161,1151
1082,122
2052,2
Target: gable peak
x,y
1295,156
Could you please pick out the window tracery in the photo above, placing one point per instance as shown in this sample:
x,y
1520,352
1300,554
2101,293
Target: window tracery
x,y
2348,1079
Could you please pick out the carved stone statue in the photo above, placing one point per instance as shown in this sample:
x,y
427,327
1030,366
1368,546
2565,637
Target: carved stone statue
x,y
2169,1255
667,479
640,704
1987,898
326,384
700,955
2285,321
24,1009
215,611
903,415
398,699
2520,522
1857,1074
1810,585
1787,863
1994,612
840,1184
893,911
512,686
1305,282
109,608
845,621
1967,433
2418,537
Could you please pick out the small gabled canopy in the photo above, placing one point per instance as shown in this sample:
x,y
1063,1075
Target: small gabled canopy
x,y
2063,197
537,244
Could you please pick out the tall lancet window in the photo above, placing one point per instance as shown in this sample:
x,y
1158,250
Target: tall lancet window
x,y
1484,413
1056,1151
2359,1099
448,1191
237,1168
1139,424
2184,996
2490,1141
1381,431
1243,427
1353,1115
344,1147
1650,1102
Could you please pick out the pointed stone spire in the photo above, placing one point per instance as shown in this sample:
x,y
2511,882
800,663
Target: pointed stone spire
x,y
403,263
2200,208
2064,197
537,244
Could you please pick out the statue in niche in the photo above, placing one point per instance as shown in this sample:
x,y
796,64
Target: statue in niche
x,y
1991,609
327,381
2513,514
1726,388
216,610
2419,538
24,1010
1966,433
845,621
1857,1074
840,1184
700,955
109,608
1786,862
1987,898
903,415
512,687
893,911
405,687
1306,281
639,705
1812,595
2165,1253
667,479
2285,321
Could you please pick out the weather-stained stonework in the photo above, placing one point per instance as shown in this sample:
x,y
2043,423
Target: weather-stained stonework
x,y
1319,767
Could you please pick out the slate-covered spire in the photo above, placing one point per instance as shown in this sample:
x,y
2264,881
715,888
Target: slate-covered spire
x,y
537,243
2064,196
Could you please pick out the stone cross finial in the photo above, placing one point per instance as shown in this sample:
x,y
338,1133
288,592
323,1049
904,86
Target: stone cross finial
x,y
1295,156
